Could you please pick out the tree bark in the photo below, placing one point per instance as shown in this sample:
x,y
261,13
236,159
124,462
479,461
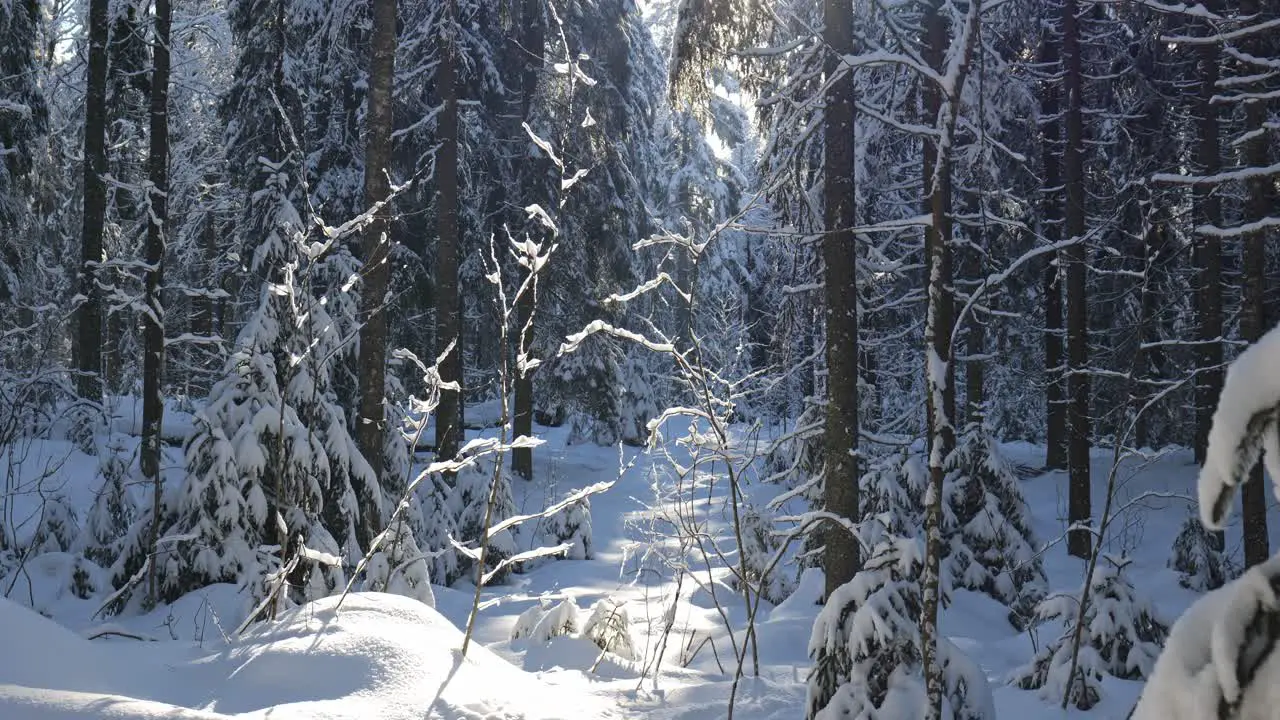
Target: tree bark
x,y
372,429
975,368
533,40
939,326
89,314
1051,212
154,319
1208,248
842,558
1079,500
448,305
1257,547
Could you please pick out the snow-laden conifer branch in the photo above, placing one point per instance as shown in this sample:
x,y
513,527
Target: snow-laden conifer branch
x,y
1244,426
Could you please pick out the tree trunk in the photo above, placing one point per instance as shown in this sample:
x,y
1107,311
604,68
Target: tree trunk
x,y
371,431
89,314
1148,360
1253,300
153,319
869,392
1208,248
1079,505
448,300
939,323
975,367
522,418
839,253
1051,212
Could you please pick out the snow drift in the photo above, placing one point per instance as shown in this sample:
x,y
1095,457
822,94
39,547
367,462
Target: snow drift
x,y
379,656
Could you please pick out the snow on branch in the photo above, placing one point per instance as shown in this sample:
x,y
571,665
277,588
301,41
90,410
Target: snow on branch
x,y
1244,425
1219,37
553,509
574,341
1237,175
1248,228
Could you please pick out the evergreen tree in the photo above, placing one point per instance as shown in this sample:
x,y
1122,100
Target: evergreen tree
x,y
990,545
866,646
1121,636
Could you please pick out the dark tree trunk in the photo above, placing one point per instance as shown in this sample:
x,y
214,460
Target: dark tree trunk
x,y
839,252
448,299
1253,317
1208,249
1051,212
522,418
975,367
1148,360
869,392
89,314
371,431
939,328
1079,501
153,319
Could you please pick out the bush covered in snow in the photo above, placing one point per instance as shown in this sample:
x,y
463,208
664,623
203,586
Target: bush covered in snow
x,y
433,523
866,647
1120,636
1221,659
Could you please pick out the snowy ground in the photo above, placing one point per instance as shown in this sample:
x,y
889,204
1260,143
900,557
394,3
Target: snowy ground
x,y
388,657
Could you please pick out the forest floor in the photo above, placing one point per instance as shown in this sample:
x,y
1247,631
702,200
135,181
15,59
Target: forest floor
x,y
388,657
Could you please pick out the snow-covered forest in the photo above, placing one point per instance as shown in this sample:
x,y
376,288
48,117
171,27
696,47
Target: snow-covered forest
x,y
683,359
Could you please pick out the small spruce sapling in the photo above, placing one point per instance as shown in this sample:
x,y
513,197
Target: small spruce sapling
x,y
759,545
559,620
111,513
439,523
571,526
1122,638
990,546
398,566
58,527
1198,558
609,627
470,499
866,646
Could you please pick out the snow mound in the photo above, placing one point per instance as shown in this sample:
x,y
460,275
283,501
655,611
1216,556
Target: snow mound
x,y
379,656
